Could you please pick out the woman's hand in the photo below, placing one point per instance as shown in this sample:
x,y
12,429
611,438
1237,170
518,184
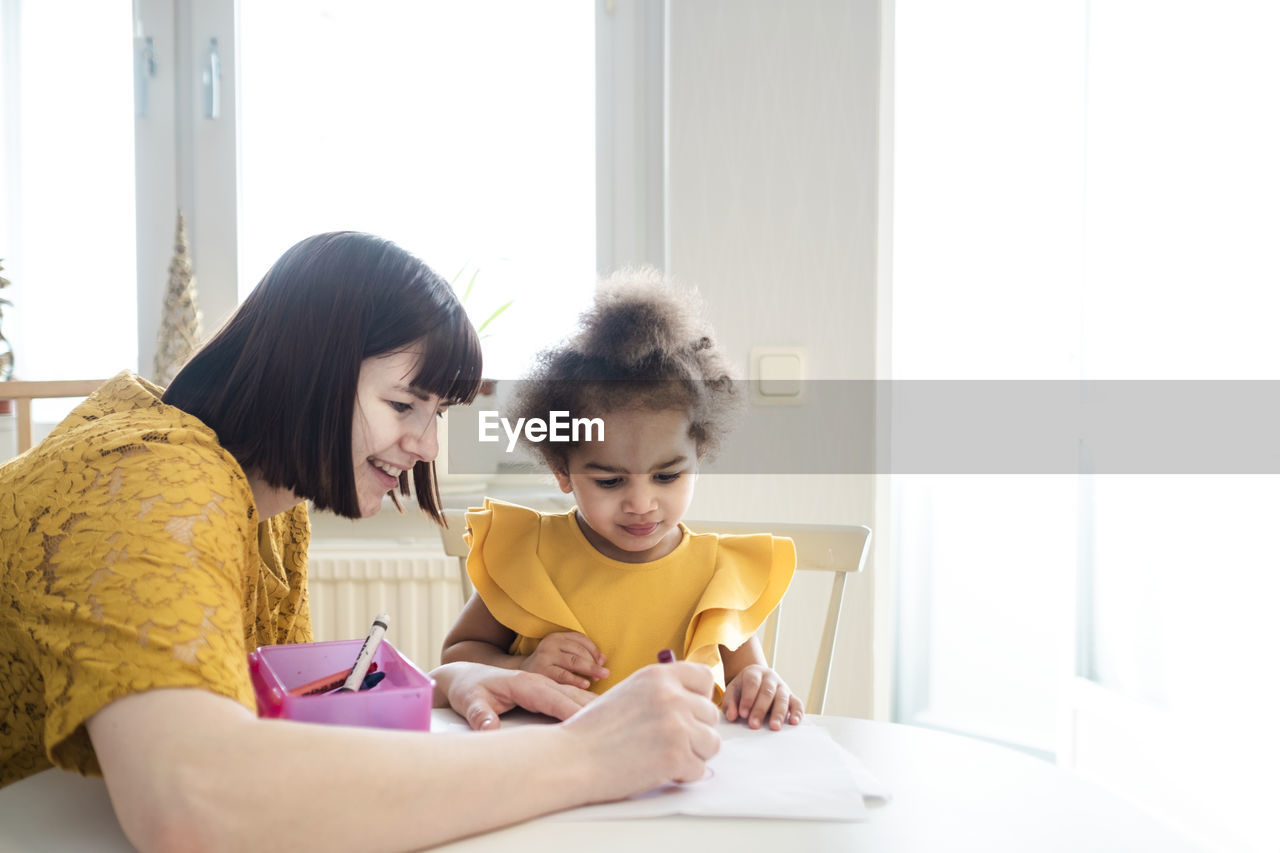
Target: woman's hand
x,y
567,657
655,727
757,694
480,693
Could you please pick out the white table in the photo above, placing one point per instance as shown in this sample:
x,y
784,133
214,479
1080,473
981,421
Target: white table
x,y
950,793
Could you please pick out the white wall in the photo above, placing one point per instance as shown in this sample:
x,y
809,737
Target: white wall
x,y
772,206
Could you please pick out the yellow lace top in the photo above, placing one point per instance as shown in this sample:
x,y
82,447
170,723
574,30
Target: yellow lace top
x,y
132,560
538,574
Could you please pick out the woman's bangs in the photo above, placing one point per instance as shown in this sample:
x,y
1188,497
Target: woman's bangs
x,y
452,363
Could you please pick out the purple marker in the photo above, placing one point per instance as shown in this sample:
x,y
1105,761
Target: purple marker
x,y
666,656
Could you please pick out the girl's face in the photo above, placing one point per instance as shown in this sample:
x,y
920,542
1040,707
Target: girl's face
x,y
394,426
634,486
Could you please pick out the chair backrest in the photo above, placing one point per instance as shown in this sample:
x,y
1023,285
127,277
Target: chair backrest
x,y
835,548
838,549
452,535
25,392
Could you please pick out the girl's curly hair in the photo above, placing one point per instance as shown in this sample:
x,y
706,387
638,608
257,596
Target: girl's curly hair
x,y
642,345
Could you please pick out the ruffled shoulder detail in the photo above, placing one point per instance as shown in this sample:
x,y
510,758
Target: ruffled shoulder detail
x,y
751,575
508,573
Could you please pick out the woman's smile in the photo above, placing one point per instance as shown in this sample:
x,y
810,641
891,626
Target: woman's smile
x,y
387,474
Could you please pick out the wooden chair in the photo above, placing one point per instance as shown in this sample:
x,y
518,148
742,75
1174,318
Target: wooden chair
x,y
456,546
835,548
839,549
25,392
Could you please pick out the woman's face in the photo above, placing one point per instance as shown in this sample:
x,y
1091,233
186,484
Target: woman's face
x,y
394,427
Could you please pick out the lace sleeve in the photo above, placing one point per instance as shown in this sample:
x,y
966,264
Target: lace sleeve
x,y
132,577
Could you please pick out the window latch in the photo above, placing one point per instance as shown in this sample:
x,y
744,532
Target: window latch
x,y
212,78
144,68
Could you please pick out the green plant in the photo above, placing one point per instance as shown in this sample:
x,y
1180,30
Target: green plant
x,y
466,295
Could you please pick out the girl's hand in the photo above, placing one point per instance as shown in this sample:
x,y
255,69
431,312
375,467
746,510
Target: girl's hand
x,y
656,726
567,657
758,693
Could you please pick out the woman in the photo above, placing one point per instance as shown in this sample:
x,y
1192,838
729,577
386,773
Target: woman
x,y
153,539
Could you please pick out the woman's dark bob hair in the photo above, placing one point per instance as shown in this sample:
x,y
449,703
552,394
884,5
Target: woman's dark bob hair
x,y
278,382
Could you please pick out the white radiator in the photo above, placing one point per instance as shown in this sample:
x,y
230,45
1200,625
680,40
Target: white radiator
x,y
352,581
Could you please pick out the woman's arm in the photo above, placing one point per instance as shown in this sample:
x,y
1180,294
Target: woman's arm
x,y
189,770
755,692
565,656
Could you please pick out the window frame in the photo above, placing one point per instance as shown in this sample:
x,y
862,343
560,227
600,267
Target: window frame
x,y
185,161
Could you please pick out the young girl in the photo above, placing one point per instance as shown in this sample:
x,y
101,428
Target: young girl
x,y
589,596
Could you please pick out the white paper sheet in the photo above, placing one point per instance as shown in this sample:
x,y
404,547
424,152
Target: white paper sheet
x,y
799,773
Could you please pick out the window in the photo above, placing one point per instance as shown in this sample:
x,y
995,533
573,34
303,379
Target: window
x,y
1087,191
988,194
465,131
67,224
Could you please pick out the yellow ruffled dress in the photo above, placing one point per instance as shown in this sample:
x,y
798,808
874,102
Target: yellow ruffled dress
x,y
538,574
132,558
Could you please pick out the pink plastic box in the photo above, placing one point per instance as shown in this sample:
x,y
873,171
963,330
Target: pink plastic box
x,y
402,700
